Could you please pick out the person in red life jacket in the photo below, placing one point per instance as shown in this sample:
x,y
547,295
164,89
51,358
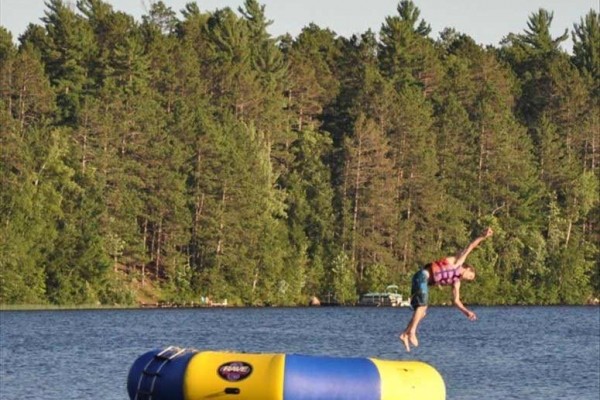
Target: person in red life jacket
x,y
448,271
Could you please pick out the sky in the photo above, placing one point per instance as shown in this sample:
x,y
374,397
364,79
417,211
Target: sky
x,y
486,21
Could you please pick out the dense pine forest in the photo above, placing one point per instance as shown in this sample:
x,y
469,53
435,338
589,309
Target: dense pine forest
x,y
192,154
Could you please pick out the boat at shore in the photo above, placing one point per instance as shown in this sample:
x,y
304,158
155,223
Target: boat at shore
x,y
389,298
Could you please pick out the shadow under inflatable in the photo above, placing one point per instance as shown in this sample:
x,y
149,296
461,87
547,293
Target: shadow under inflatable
x,y
187,374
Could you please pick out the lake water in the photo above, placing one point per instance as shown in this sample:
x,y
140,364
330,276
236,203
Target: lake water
x,y
509,353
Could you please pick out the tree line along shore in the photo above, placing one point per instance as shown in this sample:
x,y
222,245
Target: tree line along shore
x,y
191,154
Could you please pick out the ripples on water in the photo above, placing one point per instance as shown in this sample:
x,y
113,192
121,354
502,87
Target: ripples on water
x,y
509,353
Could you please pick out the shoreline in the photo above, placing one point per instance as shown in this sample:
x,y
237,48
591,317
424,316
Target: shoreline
x,y
92,307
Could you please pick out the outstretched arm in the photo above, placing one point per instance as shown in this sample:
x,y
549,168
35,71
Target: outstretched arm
x,y
462,256
456,301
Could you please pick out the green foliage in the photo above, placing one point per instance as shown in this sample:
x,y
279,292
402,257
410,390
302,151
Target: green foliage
x,y
586,47
197,156
343,280
310,214
376,278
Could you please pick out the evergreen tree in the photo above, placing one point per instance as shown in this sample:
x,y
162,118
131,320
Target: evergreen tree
x,y
405,53
586,45
311,83
28,199
79,266
235,86
418,204
269,64
246,243
363,91
68,49
586,56
553,103
370,187
27,94
532,56
310,208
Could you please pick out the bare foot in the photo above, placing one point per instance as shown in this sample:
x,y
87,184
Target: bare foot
x,y
413,340
404,339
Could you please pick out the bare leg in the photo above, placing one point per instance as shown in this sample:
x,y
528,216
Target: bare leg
x,y
410,333
418,317
404,339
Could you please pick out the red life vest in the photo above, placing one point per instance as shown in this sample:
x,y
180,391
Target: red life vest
x,y
442,273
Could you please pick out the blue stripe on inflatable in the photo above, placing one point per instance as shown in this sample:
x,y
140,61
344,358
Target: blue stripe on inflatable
x,y
166,384
328,378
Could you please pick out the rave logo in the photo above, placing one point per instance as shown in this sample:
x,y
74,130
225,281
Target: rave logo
x,y
235,371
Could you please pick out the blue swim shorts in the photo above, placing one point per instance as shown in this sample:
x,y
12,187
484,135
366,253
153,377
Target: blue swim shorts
x,y
419,292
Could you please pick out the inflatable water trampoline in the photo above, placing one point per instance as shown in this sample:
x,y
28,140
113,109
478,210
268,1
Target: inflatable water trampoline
x,y
187,374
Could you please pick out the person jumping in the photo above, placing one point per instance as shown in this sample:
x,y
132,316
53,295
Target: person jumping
x,y
448,271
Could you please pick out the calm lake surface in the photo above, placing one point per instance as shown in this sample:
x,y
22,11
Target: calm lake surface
x,y
509,353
